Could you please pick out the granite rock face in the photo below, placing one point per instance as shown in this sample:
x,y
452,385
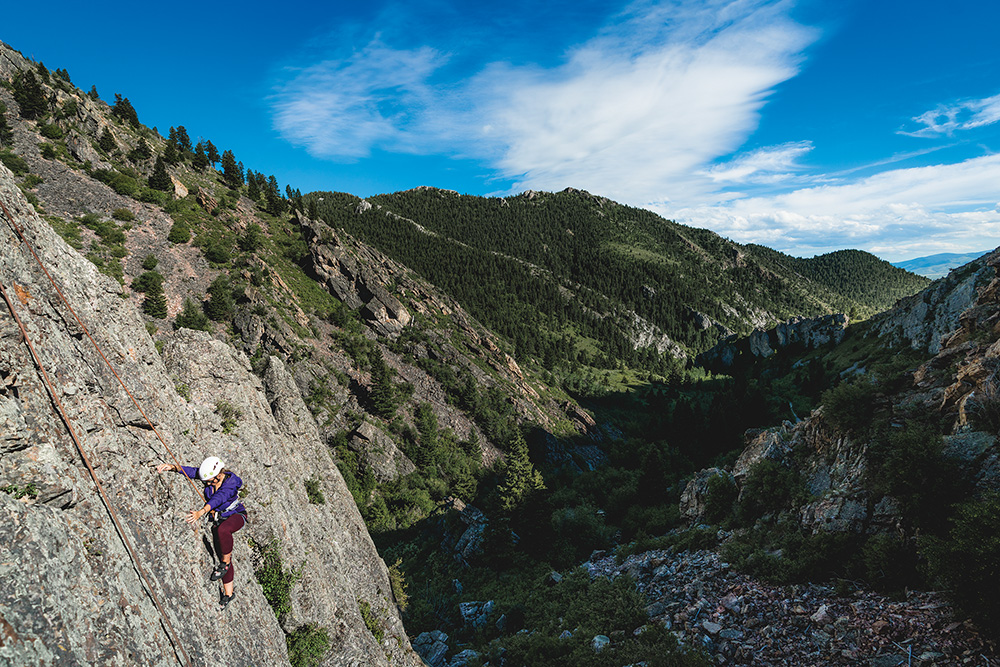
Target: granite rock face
x,y
70,593
808,332
923,320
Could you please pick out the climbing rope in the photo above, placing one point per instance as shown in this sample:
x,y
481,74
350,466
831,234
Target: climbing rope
x,y
178,647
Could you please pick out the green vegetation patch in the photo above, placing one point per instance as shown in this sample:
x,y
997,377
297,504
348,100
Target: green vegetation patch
x,y
275,580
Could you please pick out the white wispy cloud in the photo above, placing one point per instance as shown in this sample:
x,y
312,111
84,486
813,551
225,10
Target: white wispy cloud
x,y
636,112
764,165
345,108
896,214
965,115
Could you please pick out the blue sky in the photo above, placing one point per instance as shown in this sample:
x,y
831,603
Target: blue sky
x,y
806,126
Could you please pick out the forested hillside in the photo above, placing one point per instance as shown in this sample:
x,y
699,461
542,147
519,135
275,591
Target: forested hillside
x,y
569,277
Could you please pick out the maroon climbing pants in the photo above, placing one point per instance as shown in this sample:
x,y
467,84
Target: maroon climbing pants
x,y
223,534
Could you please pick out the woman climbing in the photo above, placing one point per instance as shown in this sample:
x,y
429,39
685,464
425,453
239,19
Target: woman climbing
x,y
222,499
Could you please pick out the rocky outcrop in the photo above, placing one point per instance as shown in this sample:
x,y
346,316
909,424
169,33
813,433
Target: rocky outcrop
x,y
807,332
379,452
353,279
924,319
696,493
645,334
960,385
72,594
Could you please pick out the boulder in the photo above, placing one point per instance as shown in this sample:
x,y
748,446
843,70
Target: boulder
x,y
432,647
378,451
475,614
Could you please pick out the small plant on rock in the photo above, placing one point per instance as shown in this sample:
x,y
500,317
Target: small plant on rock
x,y
371,620
229,414
307,645
314,492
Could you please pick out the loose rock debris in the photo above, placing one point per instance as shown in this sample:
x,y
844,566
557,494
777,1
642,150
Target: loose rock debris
x,y
742,621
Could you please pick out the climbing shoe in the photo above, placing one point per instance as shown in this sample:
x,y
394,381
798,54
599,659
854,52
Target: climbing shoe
x,y
220,571
226,599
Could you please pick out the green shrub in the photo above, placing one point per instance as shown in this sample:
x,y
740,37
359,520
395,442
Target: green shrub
x,y
889,563
371,620
191,317
851,406
121,183
218,252
149,280
109,232
722,493
151,196
314,492
179,233
150,262
275,581
229,414
769,487
983,407
51,131
784,553
123,214
909,464
398,583
31,180
307,645
48,151
68,229
15,163
968,558
27,491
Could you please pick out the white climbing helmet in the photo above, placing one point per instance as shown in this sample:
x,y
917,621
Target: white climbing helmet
x,y
209,468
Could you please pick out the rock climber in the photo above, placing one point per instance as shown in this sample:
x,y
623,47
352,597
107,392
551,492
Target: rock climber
x,y
223,502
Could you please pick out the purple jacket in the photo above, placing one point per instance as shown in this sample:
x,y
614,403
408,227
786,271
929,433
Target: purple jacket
x,y
226,501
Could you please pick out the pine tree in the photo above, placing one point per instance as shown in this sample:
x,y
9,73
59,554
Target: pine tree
x,y
6,133
191,317
275,204
29,96
212,152
160,180
200,160
124,111
170,155
183,140
383,391
253,186
518,478
427,427
155,303
107,142
220,304
253,240
232,173
141,152
92,94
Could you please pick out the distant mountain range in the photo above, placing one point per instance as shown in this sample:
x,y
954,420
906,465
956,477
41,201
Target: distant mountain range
x,y
938,266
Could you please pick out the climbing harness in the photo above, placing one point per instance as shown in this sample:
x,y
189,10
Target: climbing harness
x,y
178,648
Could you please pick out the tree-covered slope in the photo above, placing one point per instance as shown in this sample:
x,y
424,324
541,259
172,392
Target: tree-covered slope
x,y
572,277
873,283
